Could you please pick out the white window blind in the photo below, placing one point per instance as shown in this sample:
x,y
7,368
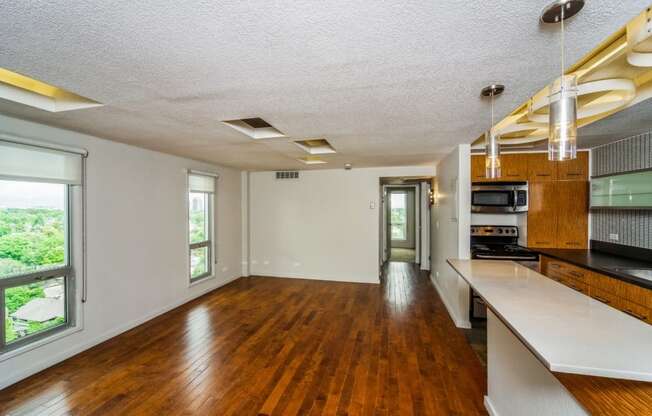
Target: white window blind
x,y
33,163
198,182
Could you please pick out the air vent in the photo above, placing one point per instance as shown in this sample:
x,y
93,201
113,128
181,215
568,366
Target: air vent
x,y
255,127
287,175
315,146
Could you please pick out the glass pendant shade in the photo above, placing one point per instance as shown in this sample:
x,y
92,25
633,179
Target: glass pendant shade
x,y
492,156
562,125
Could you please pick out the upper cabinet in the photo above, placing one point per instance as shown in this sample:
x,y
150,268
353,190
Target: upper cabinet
x,y
533,167
514,167
574,170
540,169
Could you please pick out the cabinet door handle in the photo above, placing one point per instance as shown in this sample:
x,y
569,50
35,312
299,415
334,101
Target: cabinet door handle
x,y
634,314
543,174
576,274
542,242
555,266
572,243
573,174
601,299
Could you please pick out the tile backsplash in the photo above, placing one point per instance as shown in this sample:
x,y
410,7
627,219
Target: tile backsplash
x,y
631,227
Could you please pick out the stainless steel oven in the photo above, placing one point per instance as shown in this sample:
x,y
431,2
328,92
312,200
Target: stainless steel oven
x,y
499,197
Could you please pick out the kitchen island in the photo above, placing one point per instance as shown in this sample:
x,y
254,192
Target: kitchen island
x,y
539,331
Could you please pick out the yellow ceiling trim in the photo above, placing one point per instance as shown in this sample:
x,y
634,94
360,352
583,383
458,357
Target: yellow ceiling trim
x,y
29,84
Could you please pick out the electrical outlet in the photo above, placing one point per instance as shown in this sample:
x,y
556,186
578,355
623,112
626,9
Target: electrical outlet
x,y
225,269
296,264
436,274
266,262
613,237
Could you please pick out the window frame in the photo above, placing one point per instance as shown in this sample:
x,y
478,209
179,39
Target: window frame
x,y
209,242
404,224
65,271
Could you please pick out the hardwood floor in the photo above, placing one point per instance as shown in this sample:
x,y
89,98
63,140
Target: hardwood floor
x,y
269,346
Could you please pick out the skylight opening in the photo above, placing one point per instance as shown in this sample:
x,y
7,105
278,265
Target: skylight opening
x,y
255,127
312,160
315,146
38,94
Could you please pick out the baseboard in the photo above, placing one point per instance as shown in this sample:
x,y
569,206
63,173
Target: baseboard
x,y
460,323
490,407
376,279
55,359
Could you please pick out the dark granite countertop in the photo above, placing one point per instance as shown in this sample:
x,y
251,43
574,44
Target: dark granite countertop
x,y
601,262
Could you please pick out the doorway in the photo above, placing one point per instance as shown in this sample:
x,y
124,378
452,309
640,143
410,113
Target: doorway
x,y
402,216
404,220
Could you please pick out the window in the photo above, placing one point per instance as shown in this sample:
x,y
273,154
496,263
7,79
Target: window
x,y
201,190
398,215
37,287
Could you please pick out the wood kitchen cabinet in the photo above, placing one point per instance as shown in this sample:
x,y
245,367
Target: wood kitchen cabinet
x,y
478,169
574,170
631,299
540,169
571,203
541,215
513,167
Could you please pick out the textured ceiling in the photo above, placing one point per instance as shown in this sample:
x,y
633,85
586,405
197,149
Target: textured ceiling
x,y
386,82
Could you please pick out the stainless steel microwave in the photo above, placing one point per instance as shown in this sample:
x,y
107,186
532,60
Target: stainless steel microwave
x,y
499,197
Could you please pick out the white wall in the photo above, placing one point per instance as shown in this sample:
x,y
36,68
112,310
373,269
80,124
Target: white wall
x,y
137,253
320,226
450,223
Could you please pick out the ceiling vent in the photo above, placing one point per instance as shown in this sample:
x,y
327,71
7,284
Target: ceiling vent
x,y
315,146
255,127
286,174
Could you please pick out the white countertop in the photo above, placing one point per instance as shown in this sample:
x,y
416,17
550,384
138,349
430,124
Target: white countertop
x,y
567,331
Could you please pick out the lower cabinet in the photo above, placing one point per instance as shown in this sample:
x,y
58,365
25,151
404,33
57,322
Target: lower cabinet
x,y
630,299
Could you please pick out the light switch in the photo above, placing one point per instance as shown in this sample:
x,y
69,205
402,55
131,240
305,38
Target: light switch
x,y
372,205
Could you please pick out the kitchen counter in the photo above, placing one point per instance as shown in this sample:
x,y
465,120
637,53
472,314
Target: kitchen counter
x,y
565,330
601,262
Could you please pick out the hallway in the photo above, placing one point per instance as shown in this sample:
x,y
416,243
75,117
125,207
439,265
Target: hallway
x,y
270,346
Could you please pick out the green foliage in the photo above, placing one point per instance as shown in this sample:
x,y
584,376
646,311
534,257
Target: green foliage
x,y
197,226
15,297
31,237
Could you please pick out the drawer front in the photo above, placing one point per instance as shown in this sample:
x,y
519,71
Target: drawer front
x,y
637,311
606,284
605,297
569,270
576,285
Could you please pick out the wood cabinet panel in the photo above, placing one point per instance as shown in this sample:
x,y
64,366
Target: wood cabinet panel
x,y
542,216
514,167
630,299
572,204
540,169
478,169
575,170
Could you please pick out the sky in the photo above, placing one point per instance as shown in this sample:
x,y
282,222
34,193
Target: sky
x,y
14,194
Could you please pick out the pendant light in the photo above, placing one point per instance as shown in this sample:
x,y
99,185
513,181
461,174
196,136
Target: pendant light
x,y
491,139
562,117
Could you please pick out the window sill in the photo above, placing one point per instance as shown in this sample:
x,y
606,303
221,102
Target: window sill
x,y
201,280
41,342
